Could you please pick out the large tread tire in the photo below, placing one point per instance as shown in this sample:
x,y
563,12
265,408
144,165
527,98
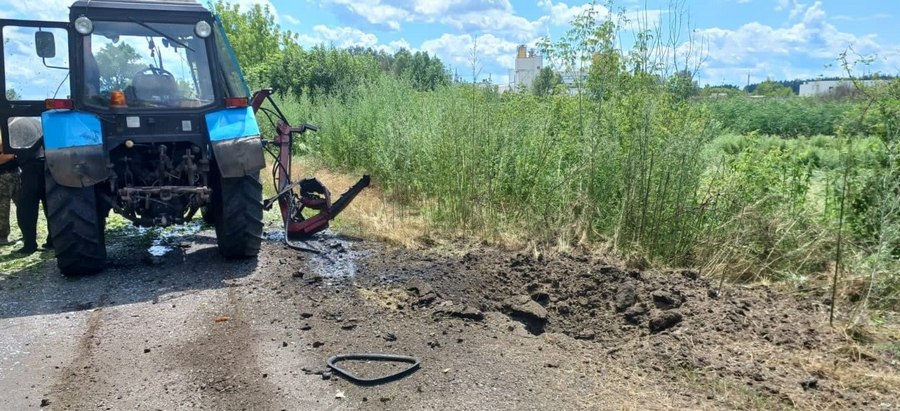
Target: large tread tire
x,y
238,216
76,228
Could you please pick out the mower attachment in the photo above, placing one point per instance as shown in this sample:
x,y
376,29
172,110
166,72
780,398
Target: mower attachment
x,y
313,194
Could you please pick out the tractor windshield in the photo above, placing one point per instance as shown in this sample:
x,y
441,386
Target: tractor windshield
x,y
160,65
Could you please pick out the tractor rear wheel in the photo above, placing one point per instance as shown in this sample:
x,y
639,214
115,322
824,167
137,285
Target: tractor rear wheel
x,y
238,214
76,228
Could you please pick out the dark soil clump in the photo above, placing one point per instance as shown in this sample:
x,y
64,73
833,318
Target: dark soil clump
x,y
673,323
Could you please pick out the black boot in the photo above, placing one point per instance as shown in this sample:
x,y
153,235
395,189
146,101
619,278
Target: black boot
x,y
28,249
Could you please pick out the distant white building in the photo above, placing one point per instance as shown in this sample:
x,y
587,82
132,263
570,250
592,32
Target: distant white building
x,y
528,65
826,87
574,80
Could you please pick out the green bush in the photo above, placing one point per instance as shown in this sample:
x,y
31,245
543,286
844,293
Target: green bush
x,y
630,161
622,163
787,117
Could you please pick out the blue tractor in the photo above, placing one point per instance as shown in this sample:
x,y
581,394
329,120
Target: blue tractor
x,y
144,112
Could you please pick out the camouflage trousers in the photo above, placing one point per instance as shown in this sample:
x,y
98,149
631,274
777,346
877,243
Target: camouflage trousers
x,y
9,184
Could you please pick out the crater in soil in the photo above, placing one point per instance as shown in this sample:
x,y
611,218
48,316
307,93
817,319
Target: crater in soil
x,y
675,326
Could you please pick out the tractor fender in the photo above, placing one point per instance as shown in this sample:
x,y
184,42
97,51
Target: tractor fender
x,y
73,146
239,157
77,166
235,142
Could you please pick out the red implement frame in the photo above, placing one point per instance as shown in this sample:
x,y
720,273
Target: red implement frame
x,y
312,193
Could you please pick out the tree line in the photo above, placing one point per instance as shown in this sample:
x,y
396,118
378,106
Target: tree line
x,y
779,86
272,57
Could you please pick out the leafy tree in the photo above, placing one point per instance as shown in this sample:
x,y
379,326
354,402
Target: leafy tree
x,y
118,63
726,89
425,72
271,57
402,61
773,89
607,71
11,94
682,84
259,43
545,82
384,59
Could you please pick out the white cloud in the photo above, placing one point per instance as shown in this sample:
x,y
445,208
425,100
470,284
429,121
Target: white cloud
x,y
635,18
400,44
291,20
876,16
808,41
340,37
562,14
56,10
794,6
375,11
460,51
496,16
501,22
347,37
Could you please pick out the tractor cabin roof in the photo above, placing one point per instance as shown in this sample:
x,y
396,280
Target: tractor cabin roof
x,y
149,5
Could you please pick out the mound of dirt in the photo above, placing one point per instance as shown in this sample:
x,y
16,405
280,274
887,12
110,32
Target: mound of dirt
x,y
676,323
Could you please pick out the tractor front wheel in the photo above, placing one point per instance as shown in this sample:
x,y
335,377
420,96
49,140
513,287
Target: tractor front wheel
x,y
76,228
238,214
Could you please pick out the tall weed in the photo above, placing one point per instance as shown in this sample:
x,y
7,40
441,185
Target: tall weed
x,y
627,160
787,117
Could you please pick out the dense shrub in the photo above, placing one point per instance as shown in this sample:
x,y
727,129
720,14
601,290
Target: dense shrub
x,y
788,117
630,161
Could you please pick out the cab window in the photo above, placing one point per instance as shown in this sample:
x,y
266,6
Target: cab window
x,y
154,64
28,76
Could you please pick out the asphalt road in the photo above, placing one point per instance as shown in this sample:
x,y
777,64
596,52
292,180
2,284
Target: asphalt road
x,y
189,330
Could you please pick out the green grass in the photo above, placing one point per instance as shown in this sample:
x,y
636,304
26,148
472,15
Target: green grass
x,y
13,264
487,163
789,117
642,171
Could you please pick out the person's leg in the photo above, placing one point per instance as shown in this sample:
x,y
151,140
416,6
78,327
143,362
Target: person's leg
x,y
42,192
29,199
7,187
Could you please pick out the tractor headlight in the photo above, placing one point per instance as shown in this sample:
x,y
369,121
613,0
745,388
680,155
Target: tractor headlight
x,y
203,29
84,25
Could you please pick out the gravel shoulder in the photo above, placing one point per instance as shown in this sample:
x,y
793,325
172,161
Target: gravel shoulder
x,y
493,329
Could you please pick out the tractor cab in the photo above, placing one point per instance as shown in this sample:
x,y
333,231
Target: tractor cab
x,y
151,56
141,109
167,62
144,111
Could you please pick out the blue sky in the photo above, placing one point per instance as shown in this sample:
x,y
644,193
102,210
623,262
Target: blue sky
x,y
777,39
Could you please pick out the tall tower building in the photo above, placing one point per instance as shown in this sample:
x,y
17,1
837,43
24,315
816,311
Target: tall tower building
x,y
528,64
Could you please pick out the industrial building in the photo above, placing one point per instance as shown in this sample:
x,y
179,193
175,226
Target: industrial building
x,y
528,65
828,87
